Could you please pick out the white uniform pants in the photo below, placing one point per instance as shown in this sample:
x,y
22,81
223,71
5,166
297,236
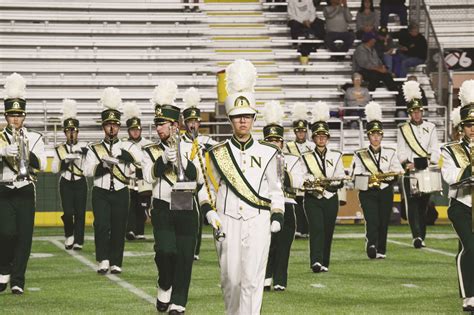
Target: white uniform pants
x,y
243,258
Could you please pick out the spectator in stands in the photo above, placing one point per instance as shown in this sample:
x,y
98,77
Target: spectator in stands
x,y
393,6
193,8
337,28
367,18
356,96
401,102
367,63
304,23
387,49
413,49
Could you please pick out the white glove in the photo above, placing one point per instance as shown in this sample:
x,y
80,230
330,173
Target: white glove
x,y
214,220
76,149
9,150
275,227
71,157
169,156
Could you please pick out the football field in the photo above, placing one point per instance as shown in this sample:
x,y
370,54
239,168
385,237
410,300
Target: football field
x,y
408,281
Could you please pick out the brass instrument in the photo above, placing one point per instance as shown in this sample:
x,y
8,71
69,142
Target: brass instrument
x,y
280,159
22,160
318,185
175,142
376,179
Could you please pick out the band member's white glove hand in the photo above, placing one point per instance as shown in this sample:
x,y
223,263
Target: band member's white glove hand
x,y
76,149
9,150
275,227
169,156
214,220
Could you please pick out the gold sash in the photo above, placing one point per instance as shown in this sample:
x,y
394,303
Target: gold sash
x,y
313,165
412,141
154,151
101,151
72,167
293,148
231,173
368,161
460,155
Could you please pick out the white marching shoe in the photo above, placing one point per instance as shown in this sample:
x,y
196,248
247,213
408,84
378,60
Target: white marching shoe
x,y
103,267
68,243
115,269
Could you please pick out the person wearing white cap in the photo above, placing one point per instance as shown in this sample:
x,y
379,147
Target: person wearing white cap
x,y
249,202
192,122
377,200
17,191
457,166
140,190
417,148
108,162
69,161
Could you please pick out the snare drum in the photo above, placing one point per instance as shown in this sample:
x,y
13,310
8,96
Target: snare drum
x,y
426,181
361,182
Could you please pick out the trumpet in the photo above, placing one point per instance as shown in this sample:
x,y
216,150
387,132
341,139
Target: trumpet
x,y
22,160
376,179
175,142
319,184
280,158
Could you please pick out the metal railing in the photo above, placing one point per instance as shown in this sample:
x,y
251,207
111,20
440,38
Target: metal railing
x,y
435,66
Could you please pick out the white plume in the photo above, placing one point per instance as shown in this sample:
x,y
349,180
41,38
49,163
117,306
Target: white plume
x,y
165,93
130,110
466,92
15,86
300,111
373,111
111,98
241,76
69,109
411,90
273,113
192,97
456,116
321,111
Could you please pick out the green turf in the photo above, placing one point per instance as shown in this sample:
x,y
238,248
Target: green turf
x,y
63,285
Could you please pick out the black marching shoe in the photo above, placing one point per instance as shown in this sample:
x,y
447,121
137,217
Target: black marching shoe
x,y
161,307
417,243
468,308
267,288
372,252
130,236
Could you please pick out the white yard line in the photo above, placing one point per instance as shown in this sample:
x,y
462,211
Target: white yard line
x,y
426,249
124,284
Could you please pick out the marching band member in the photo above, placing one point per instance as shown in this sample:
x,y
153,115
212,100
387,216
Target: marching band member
x,y
108,162
322,204
417,147
458,165
290,175
69,161
192,122
22,154
140,190
382,166
298,147
249,201
175,231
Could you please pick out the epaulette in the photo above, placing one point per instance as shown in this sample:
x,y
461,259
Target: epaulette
x,y
124,139
217,145
337,151
146,146
402,124
360,150
94,143
389,148
271,145
450,144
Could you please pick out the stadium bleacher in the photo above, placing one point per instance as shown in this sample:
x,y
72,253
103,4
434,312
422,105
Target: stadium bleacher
x,y
75,49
